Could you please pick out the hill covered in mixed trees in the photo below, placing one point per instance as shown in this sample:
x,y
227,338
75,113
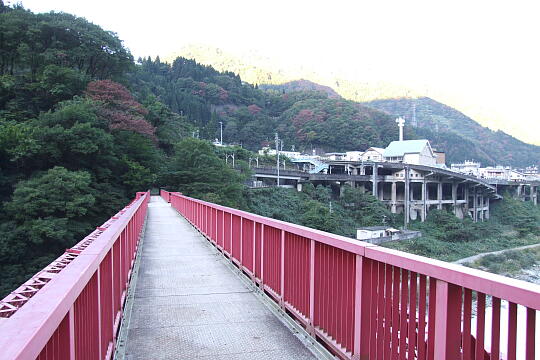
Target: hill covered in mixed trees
x,y
251,116
449,130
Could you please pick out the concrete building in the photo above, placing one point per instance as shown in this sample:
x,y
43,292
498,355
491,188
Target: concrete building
x,y
354,155
372,154
471,168
381,234
441,157
334,156
371,232
418,152
517,176
497,172
289,154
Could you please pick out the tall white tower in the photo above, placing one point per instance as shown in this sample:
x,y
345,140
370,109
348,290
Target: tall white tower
x,y
401,123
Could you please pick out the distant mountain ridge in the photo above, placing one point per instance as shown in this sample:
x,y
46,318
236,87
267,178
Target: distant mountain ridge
x,y
448,129
443,123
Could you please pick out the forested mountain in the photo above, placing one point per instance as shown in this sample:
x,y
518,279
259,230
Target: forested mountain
x,y
75,144
483,145
251,116
457,134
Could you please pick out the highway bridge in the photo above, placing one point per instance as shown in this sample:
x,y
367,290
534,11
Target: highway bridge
x,y
172,277
406,188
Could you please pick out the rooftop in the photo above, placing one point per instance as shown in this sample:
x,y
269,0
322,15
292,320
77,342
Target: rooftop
x,y
399,148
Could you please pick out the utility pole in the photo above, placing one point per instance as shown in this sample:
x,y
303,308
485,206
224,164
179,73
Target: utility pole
x,y
277,156
221,132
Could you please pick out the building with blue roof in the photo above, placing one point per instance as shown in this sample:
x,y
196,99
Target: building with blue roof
x,y
418,152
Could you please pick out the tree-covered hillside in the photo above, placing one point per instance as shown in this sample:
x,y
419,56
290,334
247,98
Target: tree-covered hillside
x,y
460,136
301,85
75,145
469,138
251,116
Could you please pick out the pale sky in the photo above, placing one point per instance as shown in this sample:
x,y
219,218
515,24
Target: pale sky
x,y
482,57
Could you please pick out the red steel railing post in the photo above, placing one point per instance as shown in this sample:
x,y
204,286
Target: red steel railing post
x,y
447,321
282,272
311,326
262,257
362,308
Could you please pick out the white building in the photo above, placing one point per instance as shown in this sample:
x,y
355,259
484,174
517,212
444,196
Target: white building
x,y
334,156
517,176
372,154
353,155
289,154
418,152
497,172
468,168
372,232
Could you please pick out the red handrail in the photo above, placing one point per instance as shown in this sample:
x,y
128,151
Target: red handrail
x,y
369,302
72,308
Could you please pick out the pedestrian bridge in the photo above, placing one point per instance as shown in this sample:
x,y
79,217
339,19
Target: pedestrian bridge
x,y
172,277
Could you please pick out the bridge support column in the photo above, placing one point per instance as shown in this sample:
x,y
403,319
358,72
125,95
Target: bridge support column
x,y
374,190
482,207
299,186
466,197
475,207
362,188
454,197
486,215
439,195
394,197
406,210
424,205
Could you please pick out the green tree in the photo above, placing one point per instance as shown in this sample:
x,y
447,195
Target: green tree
x,y
197,171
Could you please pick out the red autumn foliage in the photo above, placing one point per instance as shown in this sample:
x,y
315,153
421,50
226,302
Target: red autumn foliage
x,y
254,109
120,108
223,94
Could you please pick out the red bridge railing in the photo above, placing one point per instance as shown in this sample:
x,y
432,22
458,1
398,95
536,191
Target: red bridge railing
x,y
367,302
72,308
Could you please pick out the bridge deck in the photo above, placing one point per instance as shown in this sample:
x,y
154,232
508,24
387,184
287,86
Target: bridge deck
x,y
188,304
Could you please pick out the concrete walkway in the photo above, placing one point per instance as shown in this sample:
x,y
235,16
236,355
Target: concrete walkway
x,y
189,305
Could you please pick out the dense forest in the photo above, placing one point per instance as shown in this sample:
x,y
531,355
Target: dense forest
x,y
83,126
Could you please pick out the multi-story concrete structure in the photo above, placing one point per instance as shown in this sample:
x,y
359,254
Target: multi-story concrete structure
x,y
411,189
